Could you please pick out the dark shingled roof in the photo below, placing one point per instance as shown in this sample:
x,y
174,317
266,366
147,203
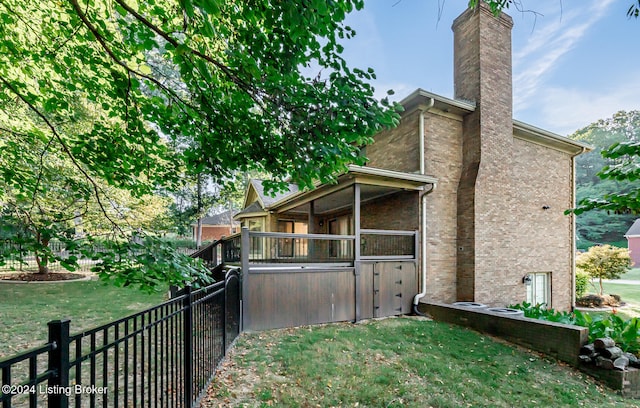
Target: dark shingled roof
x,y
254,207
219,219
268,199
635,228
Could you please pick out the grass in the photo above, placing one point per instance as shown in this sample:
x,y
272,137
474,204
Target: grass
x,y
25,309
396,362
633,274
629,294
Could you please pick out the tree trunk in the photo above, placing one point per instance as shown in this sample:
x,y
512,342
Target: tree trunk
x,y
43,262
199,233
199,206
601,289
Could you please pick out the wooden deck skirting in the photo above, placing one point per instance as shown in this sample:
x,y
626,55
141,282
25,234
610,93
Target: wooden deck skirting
x,y
300,279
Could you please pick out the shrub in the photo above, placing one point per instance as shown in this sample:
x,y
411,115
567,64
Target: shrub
x,y
626,333
540,312
582,282
180,242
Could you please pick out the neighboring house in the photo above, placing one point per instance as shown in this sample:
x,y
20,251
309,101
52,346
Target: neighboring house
x,y
633,238
217,226
486,195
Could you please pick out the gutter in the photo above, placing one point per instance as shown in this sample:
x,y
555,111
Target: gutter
x,y
423,266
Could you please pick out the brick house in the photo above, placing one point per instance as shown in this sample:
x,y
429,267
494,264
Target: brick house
x,y
633,240
485,193
216,226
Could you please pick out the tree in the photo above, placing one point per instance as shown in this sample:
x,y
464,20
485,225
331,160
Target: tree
x,y
248,85
44,197
239,91
604,262
621,165
601,225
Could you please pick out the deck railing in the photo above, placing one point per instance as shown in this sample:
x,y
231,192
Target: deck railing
x,y
387,244
277,247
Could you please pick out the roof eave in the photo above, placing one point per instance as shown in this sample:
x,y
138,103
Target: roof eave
x,y
543,137
420,97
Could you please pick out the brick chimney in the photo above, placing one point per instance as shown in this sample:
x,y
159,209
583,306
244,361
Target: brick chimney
x,y
482,74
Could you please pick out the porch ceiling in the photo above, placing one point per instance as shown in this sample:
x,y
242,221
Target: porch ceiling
x,y
374,184
341,199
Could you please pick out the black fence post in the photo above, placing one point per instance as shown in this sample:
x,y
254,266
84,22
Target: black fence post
x,y
224,313
57,393
187,334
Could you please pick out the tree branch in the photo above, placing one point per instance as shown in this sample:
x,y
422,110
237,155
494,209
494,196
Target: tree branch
x,y
65,148
107,49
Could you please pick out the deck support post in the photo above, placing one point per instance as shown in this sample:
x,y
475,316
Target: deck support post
x,y
356,249
245,249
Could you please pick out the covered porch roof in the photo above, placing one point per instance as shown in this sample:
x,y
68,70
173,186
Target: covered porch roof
x,y
374,183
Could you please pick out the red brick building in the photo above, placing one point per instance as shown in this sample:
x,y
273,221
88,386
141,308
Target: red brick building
x,y
216,226
633,238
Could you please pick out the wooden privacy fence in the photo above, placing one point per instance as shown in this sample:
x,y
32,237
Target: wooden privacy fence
x,y
165,356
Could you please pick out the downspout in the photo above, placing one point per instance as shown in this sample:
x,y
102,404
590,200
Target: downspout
x,y
574,229
423,266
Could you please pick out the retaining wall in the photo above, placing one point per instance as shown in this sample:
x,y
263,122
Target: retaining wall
x,y
561,341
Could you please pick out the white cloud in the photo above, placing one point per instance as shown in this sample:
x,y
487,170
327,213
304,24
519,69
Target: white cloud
x,y
552,39
566,110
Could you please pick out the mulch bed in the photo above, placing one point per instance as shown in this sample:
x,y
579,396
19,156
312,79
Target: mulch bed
x,y
41,277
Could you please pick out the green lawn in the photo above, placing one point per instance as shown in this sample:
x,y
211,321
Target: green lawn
x,y
25,309
633,274
629,294
396,362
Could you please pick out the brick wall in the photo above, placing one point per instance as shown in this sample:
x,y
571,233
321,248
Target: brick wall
x,y
399,148
485,223
543,237
394,212
213,233
443,158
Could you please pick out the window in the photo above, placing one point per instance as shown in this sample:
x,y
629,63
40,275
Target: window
x,y
255,224
289,247
257,246
539,289
340,226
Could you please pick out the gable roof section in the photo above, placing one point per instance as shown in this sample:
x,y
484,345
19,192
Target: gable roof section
x,y
255,209
256,192
634,231
421,99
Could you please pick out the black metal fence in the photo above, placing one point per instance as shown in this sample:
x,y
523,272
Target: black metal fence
x,y
21,260
165,356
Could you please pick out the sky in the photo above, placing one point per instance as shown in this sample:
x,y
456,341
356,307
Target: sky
x,y
574,61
